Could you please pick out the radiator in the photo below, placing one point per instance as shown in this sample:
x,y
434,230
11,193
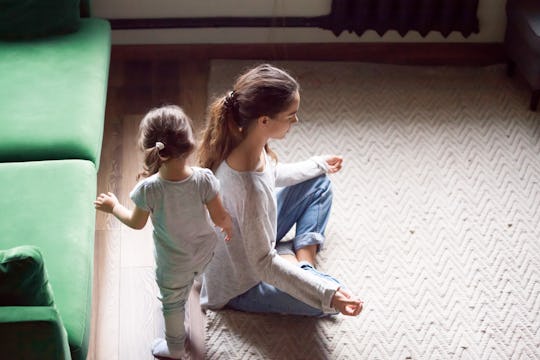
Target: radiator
x,y
403,16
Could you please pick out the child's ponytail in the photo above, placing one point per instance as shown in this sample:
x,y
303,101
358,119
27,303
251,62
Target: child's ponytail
x,y
164,133
152,162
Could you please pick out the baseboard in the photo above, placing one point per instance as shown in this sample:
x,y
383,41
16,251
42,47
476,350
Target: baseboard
x,y
462,54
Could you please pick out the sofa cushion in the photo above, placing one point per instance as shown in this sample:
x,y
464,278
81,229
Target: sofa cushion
x,y
51,206
35,18
53,94
33,333
23,278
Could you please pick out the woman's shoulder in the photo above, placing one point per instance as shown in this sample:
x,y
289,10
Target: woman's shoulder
x,y
226,173
247,182
199,171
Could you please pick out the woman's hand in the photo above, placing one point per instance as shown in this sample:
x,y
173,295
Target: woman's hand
x,y
346,304
334,163
106,202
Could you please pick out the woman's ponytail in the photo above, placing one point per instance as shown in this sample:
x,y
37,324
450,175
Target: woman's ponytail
x,y
221,134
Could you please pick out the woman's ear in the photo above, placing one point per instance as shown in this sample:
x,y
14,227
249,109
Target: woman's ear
x,y
263,120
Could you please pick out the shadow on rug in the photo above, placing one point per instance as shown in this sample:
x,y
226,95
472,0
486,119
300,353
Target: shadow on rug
x,y
259,336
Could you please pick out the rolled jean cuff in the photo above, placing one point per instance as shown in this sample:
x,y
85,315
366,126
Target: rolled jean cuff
x,y
307,239
285,248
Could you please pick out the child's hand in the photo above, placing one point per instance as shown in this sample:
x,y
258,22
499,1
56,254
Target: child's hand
x,y
227,228
220,216
334,163
106,202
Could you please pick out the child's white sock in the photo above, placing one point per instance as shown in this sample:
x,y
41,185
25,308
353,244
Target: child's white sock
x,y
161,349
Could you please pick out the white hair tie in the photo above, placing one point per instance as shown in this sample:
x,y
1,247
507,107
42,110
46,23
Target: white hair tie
x,y
160,146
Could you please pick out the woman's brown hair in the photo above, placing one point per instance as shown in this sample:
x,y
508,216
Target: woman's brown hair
x,y
264,90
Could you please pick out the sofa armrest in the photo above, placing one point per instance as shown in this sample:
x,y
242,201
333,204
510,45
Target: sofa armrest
x,y
32,332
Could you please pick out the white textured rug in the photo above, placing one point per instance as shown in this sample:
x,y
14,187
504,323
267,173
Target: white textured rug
x,y
436,217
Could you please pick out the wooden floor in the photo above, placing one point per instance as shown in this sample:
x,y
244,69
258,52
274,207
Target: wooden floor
x,y
126,311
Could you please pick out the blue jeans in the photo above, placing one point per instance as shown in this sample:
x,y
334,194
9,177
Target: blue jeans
x,y
308,206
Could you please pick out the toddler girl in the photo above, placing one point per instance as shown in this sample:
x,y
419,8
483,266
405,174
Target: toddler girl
x,y
176,197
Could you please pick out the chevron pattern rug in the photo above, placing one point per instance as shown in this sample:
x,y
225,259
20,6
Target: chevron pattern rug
x,y
436,216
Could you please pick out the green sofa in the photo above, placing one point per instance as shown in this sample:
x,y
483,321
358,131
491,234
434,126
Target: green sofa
x,y
53,86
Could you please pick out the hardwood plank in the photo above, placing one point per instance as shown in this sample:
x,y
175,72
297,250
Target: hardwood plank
x,y
165,82
196,320
141,320
193,94
132,158
137,247
137,87
193,90
105,305
116,76
109,175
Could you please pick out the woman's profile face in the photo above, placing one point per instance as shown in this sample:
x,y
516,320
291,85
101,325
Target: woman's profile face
x,y
280,123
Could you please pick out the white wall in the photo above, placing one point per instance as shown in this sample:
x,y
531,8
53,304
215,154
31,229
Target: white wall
x,y
491,14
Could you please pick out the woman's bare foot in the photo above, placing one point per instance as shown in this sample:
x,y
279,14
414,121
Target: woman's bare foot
x,y
307,253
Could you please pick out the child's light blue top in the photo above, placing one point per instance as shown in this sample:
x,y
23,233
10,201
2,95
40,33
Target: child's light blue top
x,y
183,233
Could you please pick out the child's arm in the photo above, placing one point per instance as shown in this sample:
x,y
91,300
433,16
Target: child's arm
x,y
220,216
135,218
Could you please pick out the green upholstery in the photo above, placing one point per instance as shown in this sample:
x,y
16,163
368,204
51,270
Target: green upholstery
x,y
53,94
49,204
23,278
36,18
54,63
41,325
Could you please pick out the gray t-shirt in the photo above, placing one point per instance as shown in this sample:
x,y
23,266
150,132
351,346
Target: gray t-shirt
x,y
183,233
250,257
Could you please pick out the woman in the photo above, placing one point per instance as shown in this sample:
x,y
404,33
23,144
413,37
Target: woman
x,y
256,272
